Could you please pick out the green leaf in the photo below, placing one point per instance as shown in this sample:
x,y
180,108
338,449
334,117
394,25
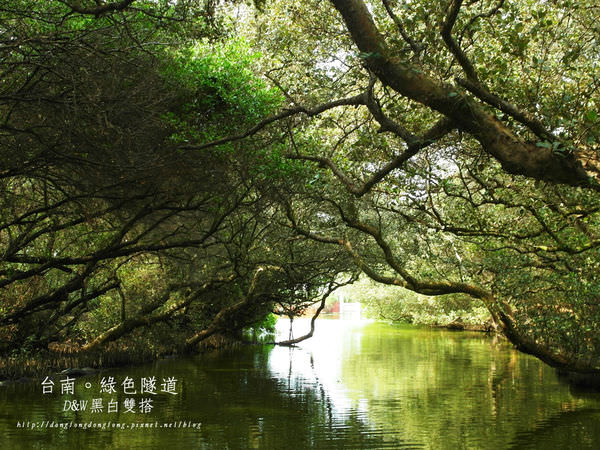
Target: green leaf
x,y
365,55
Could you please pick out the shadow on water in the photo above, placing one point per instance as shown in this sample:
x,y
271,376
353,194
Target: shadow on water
x,y
567,429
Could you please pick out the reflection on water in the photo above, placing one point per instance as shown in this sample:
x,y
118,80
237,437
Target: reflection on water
x,y
353,385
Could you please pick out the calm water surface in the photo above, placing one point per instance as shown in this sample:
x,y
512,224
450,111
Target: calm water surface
x,y
354,385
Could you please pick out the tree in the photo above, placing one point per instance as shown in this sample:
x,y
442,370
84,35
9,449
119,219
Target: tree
x,y
550,159
445,148
433,147
109,229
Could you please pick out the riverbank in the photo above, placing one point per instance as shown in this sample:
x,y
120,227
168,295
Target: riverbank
x,y
68,361
28,367
455,325
460,326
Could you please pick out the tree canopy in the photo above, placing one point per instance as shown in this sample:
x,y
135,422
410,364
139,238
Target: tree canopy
x,y
200,163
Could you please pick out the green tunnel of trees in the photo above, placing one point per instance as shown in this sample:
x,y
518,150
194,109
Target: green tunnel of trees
x,y
172,170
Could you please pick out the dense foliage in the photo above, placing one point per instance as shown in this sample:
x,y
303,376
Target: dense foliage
x,y
397,304
201,165
111,229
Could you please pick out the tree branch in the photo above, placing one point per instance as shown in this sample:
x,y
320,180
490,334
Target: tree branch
x,y
416,47
100,9
222,315
436,132
482,93
143,319
452,45
515,155
472,83
332,287
500,310
310,112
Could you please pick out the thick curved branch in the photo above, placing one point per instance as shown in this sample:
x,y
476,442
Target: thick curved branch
x,y
100,9
523,117
331,288
57,296
472,83
451,43
310,112
501,311
436,132
552,357
144,319
217,323
386,123
416,47
405,280
515,155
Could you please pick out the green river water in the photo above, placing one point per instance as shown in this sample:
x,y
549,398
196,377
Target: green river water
x,y
354,385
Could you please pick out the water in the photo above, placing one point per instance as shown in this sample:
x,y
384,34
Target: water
x,y
354,385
